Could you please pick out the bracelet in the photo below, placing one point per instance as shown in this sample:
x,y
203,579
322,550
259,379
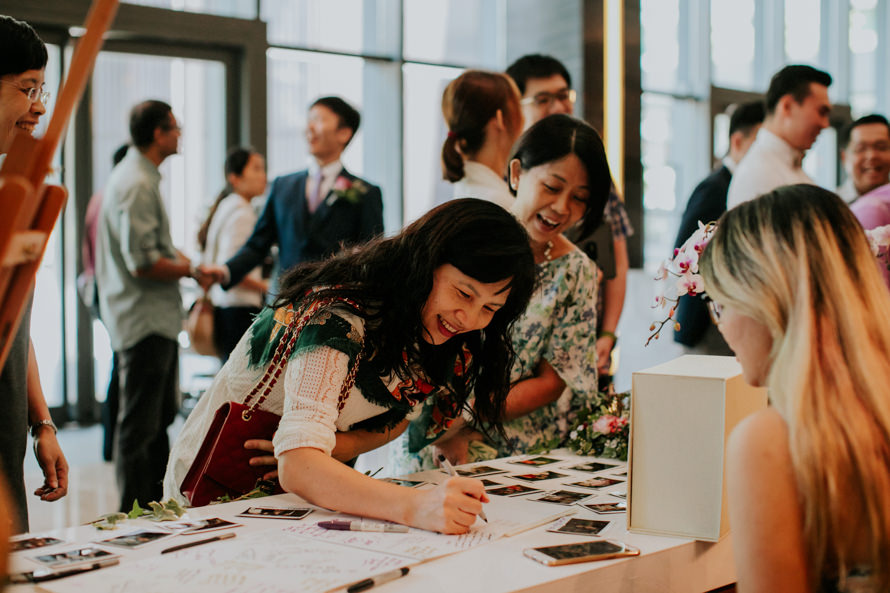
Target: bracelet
x,y
36,426
607,334
193,272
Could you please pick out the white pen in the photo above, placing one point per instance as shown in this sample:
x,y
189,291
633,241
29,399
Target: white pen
x,y
450,469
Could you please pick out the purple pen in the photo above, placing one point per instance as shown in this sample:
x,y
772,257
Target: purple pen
x,y
343,525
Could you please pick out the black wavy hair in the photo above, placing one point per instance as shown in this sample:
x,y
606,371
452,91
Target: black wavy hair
x,y
557,136
393,278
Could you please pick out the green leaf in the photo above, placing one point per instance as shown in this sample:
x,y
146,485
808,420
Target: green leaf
x,y
136,512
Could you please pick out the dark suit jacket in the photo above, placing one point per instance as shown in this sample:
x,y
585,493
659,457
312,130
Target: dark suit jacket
x,y
707,203
301,236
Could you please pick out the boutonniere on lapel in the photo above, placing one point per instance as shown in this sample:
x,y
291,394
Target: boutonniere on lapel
x,y
347,189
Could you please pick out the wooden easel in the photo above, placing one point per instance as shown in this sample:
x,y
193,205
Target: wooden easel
x,y
28,207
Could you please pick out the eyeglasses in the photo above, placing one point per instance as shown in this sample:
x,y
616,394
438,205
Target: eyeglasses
x,y
861,148
545,99
716,310
33,93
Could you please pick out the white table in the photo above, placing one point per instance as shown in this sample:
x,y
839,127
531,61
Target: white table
x,y
665,564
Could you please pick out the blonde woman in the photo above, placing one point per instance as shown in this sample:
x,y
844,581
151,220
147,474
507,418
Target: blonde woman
x,y
483,116
797,294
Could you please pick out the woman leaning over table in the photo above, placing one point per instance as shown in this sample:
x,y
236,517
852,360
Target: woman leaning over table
x,y
429,324
228,226
484,119
560,177
797,294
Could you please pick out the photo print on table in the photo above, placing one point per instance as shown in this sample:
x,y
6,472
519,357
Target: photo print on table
x,y
274,513
32,543
596,483
565,497
592,467
576,526
406,483
135,539
537,477
72,557
512,490
211,524
536,461
605,508
478,470
486,483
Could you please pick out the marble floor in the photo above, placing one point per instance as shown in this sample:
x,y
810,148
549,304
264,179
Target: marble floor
x,y
92,490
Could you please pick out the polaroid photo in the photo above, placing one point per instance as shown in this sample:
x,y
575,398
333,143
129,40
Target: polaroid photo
x,y
32,543
406,483
71,557
606,508
491,483
618,493
576,526
595,483
621,475
273,513
478,470
566,497
512,490
592,467
547,475
135,539
536,461
211,524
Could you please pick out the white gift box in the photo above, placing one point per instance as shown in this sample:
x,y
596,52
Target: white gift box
x,y
682,413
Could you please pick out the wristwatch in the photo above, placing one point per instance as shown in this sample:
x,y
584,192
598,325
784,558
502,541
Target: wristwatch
x,y
36,426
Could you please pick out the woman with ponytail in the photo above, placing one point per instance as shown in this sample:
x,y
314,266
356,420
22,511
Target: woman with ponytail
x,y
483,116
797,294
228,225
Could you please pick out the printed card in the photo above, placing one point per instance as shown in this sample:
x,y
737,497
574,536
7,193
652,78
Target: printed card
x,y
576,526
273,513
596,483
406,483
566,497
548,475
71,557
606,508
32,543
536,461
592,467
478,470
211,524
136,539
512,490
491,483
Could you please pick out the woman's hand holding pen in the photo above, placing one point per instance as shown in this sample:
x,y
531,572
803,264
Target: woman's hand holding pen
x,y
451,507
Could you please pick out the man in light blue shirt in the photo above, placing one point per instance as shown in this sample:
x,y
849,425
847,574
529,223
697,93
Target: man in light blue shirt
x,y
137,275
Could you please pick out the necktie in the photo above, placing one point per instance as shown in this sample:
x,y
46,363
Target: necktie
x,y
315,197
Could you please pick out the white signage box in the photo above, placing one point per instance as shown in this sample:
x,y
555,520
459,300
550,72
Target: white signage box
x,y
682,413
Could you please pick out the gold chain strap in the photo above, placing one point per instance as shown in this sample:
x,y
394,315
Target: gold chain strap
x,y
285,347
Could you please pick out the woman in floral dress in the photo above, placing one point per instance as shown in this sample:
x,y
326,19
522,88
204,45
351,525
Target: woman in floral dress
x,y
560,177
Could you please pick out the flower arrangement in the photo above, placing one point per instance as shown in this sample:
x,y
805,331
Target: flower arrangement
x,y
602,431
679,276
879,241
347,189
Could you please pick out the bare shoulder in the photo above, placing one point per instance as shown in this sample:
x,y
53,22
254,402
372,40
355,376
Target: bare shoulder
x,y
762,436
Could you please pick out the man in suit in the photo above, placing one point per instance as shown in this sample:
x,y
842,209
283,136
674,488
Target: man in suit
x,y
315,212
707,202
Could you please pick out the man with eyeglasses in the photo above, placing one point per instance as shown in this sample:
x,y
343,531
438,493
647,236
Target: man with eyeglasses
x,y
137,277
546,89
866,156
23,59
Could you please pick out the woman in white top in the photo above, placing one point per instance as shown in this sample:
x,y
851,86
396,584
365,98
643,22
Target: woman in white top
x,y
484,119
797,294
422,316
228,226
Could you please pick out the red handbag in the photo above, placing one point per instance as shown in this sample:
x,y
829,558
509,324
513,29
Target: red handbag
x,y
222,465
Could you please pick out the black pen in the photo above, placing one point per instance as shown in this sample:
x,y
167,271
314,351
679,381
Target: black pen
x,y
198,543
377,580
49,575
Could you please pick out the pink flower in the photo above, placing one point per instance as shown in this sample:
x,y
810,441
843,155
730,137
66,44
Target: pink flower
x,y
607,424
342,183
690,284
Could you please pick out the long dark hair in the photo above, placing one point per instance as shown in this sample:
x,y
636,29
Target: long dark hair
x,y
559,135
393,278
236,161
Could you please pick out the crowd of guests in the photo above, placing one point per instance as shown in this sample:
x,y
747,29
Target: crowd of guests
x,y
479,330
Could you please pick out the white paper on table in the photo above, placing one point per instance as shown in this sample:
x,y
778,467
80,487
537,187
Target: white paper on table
x,y
269,561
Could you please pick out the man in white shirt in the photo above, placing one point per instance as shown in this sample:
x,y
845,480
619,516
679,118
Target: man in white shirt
x,y
797,109
866,156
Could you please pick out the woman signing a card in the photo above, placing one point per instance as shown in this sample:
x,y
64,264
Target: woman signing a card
x,y
799,298
407,327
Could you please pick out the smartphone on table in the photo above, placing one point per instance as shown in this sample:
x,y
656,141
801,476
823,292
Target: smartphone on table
x,y
580,552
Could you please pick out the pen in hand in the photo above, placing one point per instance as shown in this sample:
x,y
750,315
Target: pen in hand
x,y
197,543
453,473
